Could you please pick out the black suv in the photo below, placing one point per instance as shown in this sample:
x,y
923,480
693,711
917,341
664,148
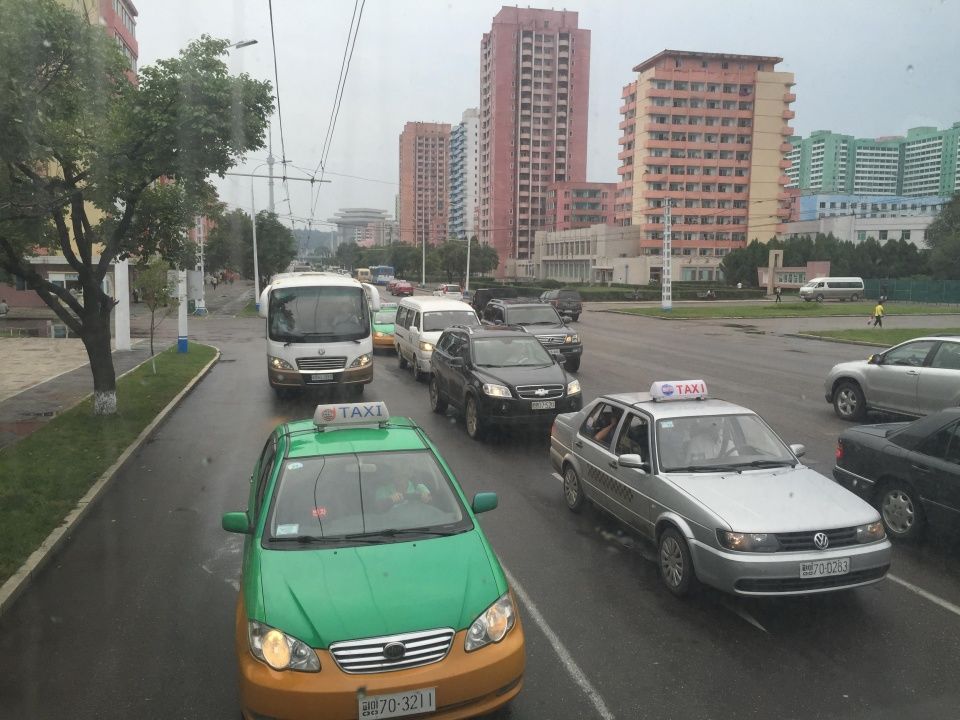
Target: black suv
x,y
565,302
538,319
499,376
484,295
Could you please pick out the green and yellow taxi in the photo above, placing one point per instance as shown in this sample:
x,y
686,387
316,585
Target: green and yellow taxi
x,y
383,322
368,589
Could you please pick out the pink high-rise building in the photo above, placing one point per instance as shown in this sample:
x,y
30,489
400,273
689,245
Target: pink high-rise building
x,y
573,205
707,132
424,182
534,91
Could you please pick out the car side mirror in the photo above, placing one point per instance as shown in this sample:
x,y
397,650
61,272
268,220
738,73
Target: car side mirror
x,y
457,362
875,359
798,450
484,501
236,522
633,461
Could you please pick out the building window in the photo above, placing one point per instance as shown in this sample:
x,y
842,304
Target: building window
x,y
905,235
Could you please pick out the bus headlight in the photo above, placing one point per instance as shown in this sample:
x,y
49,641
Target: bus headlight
x,y
279,364
361,361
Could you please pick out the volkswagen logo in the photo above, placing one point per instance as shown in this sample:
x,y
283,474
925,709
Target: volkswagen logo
x,y
540,392
821,540
394,651
321,351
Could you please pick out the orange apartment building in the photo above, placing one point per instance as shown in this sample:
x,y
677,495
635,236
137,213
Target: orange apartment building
x,y
424,182
708,132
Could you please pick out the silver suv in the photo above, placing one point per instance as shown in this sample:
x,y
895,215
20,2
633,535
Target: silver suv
x,y
914,378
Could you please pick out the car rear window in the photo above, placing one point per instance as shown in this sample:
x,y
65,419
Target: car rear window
x,y
569,295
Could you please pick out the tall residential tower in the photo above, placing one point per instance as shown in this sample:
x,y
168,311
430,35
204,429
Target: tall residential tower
x,y
464,175
424,182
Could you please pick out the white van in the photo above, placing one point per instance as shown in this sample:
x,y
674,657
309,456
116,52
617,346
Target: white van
x,y
832,288
420,321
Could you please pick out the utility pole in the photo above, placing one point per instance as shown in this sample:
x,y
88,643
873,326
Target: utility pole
x,y
270,159
256,264
666,274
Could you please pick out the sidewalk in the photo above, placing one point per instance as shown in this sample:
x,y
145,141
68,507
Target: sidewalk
x,y
41,377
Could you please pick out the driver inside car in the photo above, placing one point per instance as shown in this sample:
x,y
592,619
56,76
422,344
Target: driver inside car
x,y
400,488
706,441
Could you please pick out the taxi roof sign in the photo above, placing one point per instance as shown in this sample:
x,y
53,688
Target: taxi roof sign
x,y
678,390
346,414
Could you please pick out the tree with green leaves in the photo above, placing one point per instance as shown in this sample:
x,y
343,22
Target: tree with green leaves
x,y
348,255
230,245
156,292
99,169
943,239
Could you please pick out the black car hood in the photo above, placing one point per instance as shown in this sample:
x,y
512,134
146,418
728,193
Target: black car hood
x,y
513,376
556,329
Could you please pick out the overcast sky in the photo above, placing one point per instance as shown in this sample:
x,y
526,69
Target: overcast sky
x,y
863,67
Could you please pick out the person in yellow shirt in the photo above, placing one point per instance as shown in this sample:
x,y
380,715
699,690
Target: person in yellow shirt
x,y
878,315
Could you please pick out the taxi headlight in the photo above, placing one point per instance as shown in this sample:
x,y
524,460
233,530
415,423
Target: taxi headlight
x,y
279,364
377,333
493,624
426,347
748,542
571,338
494,390
279,650
361,361
871,532
573,387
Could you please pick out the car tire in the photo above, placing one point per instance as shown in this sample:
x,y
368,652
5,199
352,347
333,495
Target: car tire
x,y
900,510
819,298
849,402
854,297
472,419
418,374
401,360
576,317
674,563
572,489
572,365
437,403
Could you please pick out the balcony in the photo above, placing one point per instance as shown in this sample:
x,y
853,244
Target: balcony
x,y
786,147
784,180
783,213
789,115
786,131
789,97
785,164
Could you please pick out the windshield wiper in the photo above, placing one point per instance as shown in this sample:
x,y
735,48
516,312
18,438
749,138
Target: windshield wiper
x,y
393,532
306,539
701,468
765,463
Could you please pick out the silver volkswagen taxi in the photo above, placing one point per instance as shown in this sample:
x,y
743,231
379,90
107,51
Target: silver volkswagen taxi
x,y
724,499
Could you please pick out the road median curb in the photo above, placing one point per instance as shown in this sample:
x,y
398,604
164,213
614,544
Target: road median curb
x,y
808,336
19,581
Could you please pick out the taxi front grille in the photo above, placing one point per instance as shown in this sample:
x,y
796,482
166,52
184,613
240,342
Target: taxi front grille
x,y
321,363
795,541
540,392
551,340
382,654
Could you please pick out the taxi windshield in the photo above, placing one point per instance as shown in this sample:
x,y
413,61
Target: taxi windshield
x,y
719,443
342,498
386,316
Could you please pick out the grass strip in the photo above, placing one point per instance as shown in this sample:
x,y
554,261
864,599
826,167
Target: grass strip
x,y
249,310
44,475
789,310
884,337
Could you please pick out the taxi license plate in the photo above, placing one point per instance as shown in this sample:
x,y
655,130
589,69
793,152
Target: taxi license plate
x,y
321,377
543,405
825,568
412,702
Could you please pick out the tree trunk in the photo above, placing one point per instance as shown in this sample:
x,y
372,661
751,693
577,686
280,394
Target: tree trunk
x,y
96,339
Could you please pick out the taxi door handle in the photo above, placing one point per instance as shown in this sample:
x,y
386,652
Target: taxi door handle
x,y
577,443
912,372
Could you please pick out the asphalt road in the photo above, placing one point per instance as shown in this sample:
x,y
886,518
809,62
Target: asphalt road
x,y
134,618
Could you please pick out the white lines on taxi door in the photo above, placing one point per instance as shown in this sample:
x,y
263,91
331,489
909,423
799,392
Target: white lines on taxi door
x,y
945,604
569,664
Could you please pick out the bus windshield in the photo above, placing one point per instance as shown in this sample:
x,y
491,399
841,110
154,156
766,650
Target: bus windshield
x,y
318,314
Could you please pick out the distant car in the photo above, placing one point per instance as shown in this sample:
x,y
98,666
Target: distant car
x,y
402,288
724,499
482,296
383,322
909,471
392,284
914,378
449,291
541,320
368,588
499,377
566,302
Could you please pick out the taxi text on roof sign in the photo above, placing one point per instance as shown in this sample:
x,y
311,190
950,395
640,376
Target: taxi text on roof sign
x,y
679,390
351,414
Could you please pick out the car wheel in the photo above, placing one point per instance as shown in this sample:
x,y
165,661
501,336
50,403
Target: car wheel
x,y
675,564
401,360
900,511
437,403
854,297
576,317
573,364
819,298
849,402
418,374
471,414
572,489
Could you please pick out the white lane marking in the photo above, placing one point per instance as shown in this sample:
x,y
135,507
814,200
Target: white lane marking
x,y
945,604
565,657
558,477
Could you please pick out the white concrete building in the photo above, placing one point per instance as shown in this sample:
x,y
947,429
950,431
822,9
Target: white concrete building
x,y
464,175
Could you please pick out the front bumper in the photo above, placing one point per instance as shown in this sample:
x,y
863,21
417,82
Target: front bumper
x,y
514,411
383,341
297,379
779,573
467,684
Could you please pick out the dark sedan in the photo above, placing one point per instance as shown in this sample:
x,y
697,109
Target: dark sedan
x,y
909,471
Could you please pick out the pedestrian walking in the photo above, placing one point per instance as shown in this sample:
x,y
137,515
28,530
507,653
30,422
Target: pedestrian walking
x,y
4,308
776,291
214,281
878,315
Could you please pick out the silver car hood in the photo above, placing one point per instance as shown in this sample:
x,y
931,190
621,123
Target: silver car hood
x,y
780,500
